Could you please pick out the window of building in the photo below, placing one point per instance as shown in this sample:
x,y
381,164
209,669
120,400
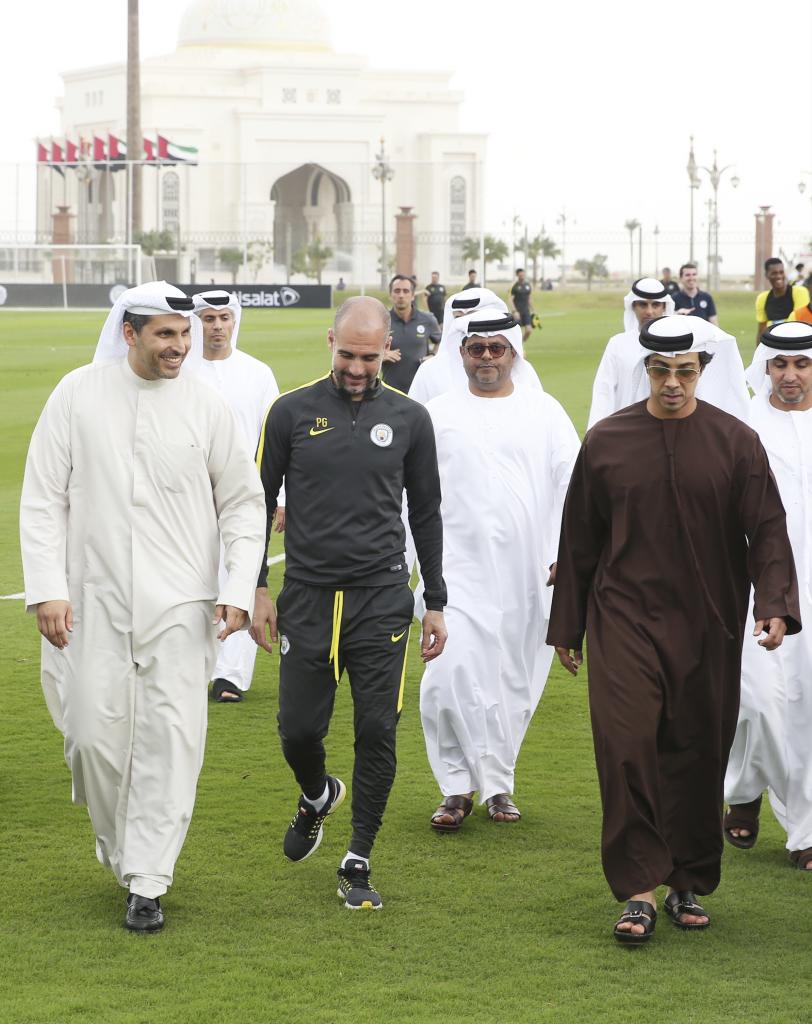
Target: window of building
x,y
456,222
170,201
334,96
288,95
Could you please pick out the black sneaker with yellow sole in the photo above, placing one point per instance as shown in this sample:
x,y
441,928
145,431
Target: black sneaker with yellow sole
x,y
305,832
355,888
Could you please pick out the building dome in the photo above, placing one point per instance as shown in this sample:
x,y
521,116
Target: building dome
x,y
275,24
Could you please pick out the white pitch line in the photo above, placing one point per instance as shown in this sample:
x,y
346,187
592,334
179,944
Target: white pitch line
x,y
18,597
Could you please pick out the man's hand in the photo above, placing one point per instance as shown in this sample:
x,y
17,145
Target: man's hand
x,y
571,660
551,577
774,628
232,618
391,355
264,615
279,519
55,622
433,637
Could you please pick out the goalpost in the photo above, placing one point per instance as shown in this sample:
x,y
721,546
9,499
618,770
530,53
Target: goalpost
x,y
110,264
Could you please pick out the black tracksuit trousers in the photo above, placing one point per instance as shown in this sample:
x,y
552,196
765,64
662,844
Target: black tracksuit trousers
x,y
323,631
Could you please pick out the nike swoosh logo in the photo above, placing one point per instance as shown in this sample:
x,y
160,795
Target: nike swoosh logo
x,y
315,433
400,636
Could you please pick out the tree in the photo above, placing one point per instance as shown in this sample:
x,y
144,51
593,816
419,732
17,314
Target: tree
x,y
312,259
495,250
135,142
541,246
596,267
156,241
631,226
259,253
232,259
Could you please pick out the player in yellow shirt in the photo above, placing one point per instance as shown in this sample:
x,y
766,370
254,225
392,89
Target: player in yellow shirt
x,y
781,300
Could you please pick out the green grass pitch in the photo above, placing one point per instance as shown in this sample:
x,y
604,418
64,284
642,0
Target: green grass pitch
x,y
496,924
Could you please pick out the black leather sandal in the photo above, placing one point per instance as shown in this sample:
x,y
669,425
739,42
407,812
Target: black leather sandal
x,y
636,912
681,902
742,816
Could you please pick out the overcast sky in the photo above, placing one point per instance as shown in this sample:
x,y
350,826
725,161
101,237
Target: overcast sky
x,y
588,105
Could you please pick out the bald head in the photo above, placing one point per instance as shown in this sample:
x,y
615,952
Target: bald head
x,y
362,314
358,340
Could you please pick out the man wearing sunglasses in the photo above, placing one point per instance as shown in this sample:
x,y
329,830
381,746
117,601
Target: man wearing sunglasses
x,y
505,450
671,514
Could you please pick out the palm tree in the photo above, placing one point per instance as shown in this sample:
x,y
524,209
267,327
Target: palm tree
x,y
135,141
532,247
631,226
596,267
495,251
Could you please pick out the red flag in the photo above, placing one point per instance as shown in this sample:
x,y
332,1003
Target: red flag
x,y
163,148
56,153
149,149
98,150
116,148
72,156
42,153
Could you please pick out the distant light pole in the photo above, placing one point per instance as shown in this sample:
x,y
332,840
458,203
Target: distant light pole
x,y
656,249
693,185
562,220
715,174
383,172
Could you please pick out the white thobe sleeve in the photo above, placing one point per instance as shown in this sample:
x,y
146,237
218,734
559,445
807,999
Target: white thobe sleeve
x,y
44,504
604,389
417,389
271,394
240,503
564,448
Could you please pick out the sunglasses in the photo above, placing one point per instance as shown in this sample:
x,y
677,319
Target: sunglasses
x,y
477,349
663,372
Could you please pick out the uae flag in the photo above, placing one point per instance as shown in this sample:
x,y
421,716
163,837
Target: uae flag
x,y
150,150
71,153
171,153
42,153
99,154
116,152
57,158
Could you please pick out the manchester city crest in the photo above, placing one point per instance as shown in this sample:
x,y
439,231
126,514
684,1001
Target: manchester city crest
x,y
381,435
284,644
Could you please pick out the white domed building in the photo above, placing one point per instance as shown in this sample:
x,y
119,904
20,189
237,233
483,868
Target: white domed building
x,y
287,132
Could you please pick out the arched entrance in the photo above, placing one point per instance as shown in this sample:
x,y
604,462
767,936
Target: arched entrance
x,y
308,202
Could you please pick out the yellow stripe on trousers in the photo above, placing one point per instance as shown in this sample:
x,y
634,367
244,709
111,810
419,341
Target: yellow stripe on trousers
x,y
338,611
403,673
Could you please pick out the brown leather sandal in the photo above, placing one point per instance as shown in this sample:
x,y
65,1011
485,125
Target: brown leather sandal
x,y
800,858
742,816
456,807
502,804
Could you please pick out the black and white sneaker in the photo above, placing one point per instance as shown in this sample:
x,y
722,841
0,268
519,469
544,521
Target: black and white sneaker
x,y
143,914
306,830
355,888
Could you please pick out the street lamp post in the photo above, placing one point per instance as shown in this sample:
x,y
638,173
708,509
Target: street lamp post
x,y
715,174
383,172
693,185
562,220
656,250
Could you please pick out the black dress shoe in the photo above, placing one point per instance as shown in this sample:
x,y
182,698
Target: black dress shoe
x,y
143,915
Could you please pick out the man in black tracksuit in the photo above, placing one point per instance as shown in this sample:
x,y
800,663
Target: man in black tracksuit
x,y
346,446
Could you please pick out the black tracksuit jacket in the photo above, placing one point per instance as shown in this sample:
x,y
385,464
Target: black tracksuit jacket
x,y
345,465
